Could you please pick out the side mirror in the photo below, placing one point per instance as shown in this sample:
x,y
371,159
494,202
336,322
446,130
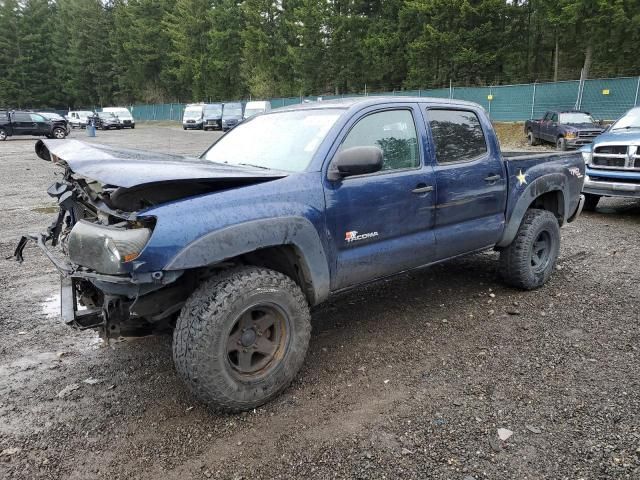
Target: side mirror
x,y
355,161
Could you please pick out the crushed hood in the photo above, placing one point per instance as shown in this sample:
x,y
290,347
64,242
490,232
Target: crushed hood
x,y
124,167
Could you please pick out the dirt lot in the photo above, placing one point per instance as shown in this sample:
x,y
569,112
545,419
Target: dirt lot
x,y
407,378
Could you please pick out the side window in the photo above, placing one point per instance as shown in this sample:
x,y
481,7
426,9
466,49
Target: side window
x,y
547,116
21,117
457,135
554,118
36,118
394,132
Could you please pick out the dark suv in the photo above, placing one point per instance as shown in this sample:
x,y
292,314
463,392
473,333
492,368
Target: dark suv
x,y
29,123
106,121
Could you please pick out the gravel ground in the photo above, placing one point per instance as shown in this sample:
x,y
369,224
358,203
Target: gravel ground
x,y
406,378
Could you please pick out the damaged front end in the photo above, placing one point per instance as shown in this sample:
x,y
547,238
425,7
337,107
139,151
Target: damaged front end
x,y
94,246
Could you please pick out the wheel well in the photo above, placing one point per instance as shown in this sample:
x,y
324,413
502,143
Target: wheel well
x,y
285,259
553,202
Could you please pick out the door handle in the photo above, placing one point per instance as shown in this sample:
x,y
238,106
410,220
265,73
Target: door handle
x,y
422,189
492,178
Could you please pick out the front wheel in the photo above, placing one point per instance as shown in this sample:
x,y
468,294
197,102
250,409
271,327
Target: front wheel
x,y
3,134
561,144
530,259
590,202
59,133
532,138
241,338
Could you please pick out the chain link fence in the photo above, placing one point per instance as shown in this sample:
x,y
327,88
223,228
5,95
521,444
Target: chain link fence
x,y
605,98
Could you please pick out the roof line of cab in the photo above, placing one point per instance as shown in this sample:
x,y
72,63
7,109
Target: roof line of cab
x,y
348,103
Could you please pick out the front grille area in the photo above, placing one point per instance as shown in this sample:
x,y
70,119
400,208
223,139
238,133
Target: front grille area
x,y
589,134
613,149
609,162
618,157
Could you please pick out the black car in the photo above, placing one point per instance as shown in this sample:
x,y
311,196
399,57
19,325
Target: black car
x,y
213,116
30,123
106,121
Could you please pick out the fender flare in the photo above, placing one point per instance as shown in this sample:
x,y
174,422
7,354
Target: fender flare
x,y
553,182
247,237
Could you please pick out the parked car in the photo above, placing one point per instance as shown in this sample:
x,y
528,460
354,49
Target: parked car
x,y
79,118
193,117
613,162
106,121
123,114
17,122
232,248
212,114
57,118
231,115
568,129
256,107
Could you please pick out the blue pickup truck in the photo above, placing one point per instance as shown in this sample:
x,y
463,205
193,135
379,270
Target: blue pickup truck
x,y
231,249
613,162
565,129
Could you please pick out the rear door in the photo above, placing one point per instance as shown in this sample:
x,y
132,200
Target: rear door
x,y
382,223
22,123
470,182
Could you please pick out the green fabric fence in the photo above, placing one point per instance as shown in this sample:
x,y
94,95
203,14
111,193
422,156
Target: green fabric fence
x,y
606,99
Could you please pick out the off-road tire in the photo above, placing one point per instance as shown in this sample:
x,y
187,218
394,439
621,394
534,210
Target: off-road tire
x,y
200,349
533,141
516,260
590,202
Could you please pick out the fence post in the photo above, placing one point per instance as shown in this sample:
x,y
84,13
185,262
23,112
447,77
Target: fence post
x,y
635,102
533,100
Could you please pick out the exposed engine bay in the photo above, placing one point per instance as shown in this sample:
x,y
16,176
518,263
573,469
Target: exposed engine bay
x,y
100,229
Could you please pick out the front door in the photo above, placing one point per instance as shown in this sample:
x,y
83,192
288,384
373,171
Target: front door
x,y
470,181
42,125
381,223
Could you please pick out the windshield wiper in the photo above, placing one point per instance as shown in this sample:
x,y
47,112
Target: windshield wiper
x,y
252,165
628,127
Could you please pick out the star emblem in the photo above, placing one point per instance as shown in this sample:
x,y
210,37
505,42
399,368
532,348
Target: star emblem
x,y
522,179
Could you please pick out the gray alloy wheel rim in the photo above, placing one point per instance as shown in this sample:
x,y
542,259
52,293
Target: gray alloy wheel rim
x,y
258,341
59,134
3,134
541,252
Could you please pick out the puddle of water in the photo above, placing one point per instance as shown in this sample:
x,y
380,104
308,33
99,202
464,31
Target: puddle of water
x,y
46,209
51,306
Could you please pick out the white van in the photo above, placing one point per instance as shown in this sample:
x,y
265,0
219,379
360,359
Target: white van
x,y
253,108
123,114
193,116
79,118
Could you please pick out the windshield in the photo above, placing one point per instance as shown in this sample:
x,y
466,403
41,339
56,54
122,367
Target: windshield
x,y
122,113
631,119
85,114
193,112
51,116
213,110
576,117
106,115
232,110
281,141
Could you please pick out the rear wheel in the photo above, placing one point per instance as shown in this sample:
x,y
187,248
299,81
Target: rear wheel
x,y
241,338
530,259
3,134
590,202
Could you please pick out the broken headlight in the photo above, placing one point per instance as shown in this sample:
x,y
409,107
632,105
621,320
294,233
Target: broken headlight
x,y
106,248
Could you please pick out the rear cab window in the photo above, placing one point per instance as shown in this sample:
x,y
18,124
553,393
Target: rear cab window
x,y
457,135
